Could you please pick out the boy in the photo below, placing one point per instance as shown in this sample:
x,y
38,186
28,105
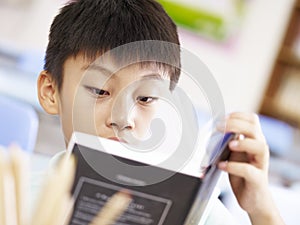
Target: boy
x,y
115,102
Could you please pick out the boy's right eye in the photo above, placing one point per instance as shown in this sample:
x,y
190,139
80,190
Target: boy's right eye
x,y
97,92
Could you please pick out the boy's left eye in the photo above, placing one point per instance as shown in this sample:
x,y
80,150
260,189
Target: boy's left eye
x,y
146,99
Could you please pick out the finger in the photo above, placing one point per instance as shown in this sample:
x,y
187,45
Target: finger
x,y
258,149
244,170
244,127
247,116
251,118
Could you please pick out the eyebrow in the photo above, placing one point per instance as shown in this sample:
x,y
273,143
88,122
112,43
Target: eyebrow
x,y
155,76
102,69
107,72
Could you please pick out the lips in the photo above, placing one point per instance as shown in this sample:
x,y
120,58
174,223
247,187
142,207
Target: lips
x,y
117,139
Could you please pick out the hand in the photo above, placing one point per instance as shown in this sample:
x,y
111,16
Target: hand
x,y
248,168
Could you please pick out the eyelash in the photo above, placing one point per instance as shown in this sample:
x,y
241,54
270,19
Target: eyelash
x,y
144,100
97,92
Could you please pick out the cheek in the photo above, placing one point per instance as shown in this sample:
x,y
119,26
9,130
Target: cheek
x,y
66,113
101,114
143,119
78,113
67,127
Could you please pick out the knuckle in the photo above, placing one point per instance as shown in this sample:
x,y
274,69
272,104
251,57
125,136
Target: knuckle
x,y
254,118
252,130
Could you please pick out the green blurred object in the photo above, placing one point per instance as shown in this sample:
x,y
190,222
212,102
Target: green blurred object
x,y
209,24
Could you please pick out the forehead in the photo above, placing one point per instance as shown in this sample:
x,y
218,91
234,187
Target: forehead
x,y
106,66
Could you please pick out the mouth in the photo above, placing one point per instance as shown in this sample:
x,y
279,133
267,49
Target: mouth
x,y
117,139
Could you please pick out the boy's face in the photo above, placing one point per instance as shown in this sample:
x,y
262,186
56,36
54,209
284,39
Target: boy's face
x,y
104,100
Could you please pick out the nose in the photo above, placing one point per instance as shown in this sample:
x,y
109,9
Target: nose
x,y
121,123
122,114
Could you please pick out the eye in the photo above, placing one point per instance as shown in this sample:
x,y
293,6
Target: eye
x,y
98,92
146,99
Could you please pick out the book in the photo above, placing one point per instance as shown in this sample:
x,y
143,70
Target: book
x,y
160,195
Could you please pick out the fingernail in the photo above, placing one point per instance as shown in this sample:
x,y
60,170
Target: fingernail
x,y
234,143
222,165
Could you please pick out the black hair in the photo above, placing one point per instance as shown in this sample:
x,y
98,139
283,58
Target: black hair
x,y
92,27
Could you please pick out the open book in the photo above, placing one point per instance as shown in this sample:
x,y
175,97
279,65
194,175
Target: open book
x,y
160,195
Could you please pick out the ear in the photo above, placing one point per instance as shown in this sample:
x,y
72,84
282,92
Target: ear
x,y
48,93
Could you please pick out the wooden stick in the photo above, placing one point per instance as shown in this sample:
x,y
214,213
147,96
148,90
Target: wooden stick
x,y
53,194
2,201
63,210
20,170
10,197
113,209
55,203
8,212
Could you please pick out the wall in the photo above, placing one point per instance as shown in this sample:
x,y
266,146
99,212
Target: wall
x,y
242,71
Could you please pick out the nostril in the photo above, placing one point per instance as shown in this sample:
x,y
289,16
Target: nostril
x,y
122,125
113,124
128,127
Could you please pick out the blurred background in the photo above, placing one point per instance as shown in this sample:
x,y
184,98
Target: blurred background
x,y
252,48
